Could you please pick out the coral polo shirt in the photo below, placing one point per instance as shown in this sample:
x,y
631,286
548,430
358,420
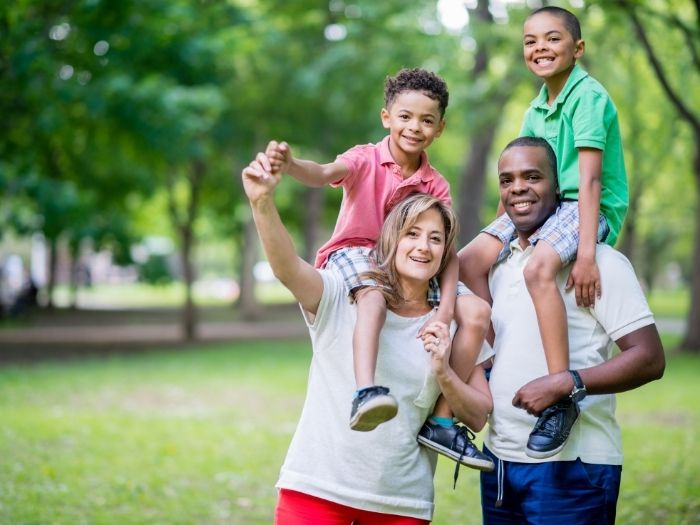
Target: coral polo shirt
x,y
371,188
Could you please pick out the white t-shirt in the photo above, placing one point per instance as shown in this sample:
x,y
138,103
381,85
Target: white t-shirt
x,y
384,470
622,309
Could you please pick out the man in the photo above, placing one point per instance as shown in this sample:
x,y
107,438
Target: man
x,y
581,483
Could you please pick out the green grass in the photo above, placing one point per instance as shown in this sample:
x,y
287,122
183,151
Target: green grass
x,y
670,303
198,436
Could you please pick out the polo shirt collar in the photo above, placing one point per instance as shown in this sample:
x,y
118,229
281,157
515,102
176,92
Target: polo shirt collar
x,y
385,159
576,76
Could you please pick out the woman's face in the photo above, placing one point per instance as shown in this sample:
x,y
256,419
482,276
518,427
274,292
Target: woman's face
x,y
420,249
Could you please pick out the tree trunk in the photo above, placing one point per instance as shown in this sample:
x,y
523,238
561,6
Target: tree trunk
x,y
247,301
691,340
74,281
53,266
189,311
472,184
183,222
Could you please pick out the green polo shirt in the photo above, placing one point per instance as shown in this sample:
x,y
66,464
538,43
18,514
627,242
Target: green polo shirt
x,y
583,116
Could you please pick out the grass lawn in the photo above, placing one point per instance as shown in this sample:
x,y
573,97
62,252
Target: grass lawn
x,y
198,436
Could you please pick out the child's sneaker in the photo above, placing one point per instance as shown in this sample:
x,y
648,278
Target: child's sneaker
x,y
552,429
455,443
372,406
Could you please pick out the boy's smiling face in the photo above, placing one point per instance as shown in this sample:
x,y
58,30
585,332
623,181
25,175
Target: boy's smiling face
x,y
549,48
414,121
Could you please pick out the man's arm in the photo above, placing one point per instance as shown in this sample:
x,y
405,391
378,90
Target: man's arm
x,y
640,361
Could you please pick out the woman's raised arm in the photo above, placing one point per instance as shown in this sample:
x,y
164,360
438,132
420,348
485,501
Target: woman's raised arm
x,y
302,279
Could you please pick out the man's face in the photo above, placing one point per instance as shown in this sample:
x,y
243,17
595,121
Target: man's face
x,y
527,188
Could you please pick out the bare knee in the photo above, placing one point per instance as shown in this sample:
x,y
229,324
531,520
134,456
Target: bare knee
x,y
370,298
473,312
541,272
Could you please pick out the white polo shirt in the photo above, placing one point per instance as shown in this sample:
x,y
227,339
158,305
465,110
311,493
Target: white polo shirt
x,y
622,309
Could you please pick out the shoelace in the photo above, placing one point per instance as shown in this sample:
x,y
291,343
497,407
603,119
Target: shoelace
x,y
548,425
467,435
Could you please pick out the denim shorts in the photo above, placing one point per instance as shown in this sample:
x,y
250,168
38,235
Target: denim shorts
x,y
560,231
549,493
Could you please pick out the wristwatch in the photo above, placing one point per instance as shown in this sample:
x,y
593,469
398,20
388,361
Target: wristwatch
x,y
579,390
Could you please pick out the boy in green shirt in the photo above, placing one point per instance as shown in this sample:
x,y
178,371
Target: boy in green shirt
x,y
574,113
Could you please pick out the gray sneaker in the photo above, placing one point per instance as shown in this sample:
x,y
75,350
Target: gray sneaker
x,y
455,443
371,407
552,430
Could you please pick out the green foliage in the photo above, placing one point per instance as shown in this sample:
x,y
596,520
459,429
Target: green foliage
x,y
198,436
155,271
107,104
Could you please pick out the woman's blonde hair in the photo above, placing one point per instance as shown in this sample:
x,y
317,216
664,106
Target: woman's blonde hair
x,y
397,223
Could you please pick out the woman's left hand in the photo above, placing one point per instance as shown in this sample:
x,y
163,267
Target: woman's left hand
x,y
436,340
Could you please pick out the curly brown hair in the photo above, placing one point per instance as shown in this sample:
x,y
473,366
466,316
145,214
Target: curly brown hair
x,y
416,79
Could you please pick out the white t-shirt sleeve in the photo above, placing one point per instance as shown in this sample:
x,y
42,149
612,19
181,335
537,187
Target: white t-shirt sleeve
x,y
485,354
622,308
332,299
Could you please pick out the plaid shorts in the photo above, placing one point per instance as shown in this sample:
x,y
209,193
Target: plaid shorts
x,y
560,231
352,262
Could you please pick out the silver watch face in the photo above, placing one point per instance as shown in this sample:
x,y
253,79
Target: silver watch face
x,y
578,394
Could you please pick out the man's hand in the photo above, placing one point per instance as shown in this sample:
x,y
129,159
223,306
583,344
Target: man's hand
x,y
585,279
543,392
258,180
279,155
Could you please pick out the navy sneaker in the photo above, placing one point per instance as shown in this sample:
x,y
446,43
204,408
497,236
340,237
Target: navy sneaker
x,y
371,407
552,429
455,442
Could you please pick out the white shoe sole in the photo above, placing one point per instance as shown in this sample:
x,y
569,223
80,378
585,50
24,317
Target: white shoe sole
x,y
373,413
478,464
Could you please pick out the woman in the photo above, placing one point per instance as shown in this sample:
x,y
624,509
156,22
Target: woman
x,y
332,474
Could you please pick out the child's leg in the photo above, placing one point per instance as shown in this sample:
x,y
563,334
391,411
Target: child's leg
x,y
540,277
473,316
372,405
371,314
475,262
554,425
440,433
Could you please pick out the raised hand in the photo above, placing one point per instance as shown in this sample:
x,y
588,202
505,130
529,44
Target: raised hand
x,y
258,179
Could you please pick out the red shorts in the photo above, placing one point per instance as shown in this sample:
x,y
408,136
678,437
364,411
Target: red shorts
x,y
297,508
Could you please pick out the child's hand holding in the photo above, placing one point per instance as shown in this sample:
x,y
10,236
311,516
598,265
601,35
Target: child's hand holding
x,y
280,156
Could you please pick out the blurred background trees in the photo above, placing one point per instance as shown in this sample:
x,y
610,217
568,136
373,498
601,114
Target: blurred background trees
x,y
129,121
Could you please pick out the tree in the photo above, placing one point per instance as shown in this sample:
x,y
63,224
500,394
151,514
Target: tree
x,y
680,22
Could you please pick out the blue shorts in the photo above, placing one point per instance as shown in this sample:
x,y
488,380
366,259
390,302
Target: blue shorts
x,y
353,262
550,493
560,231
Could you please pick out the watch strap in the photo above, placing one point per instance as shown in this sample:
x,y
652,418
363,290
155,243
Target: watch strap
x,y
578,382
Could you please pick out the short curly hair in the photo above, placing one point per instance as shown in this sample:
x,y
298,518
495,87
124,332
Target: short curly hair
x,y
416,79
